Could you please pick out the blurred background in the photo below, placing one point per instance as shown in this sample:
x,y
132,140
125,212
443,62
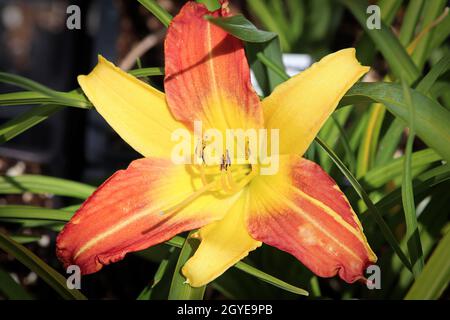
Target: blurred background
x,y
79,145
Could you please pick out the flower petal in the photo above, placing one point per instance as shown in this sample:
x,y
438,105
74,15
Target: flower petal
x,y
135,110
300,106
223,243
207,75
130,212
302,211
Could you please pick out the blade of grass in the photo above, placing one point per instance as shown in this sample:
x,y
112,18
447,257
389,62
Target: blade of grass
x,y
262,11
432,119
346,143
43,270
440,34
435,276
365,50
44,184
366,152
380,175
24,97
147,72
410,20
269,279
24,238
159,274
431,10
409,207
395,54
33,213
11,289
157,11
36,115
26,120
72,98
436,71
389,142
421,184
179,289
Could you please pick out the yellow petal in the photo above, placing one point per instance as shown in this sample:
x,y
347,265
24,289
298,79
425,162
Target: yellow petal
x,y
300,106
135,110
224,243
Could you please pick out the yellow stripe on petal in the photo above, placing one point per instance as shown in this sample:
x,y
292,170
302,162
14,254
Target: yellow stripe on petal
x,y
207,77
135,110
300,106
136,208
223,243
302,211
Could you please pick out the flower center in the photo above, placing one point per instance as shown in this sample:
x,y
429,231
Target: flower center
x,y
224,179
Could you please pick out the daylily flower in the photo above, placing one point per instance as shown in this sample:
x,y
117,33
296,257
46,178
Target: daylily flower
x,y
300,209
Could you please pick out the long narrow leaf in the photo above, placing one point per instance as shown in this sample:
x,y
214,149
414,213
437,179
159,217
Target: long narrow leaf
x,y
179,289
44,185
435,276
409,207
157,10
43,270
431,122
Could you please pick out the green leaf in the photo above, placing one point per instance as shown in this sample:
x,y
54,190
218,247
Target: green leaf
x,y
438,69
422,184
73,98
24,238
369,143
365,49
389,142
409,206
33,213
441,33
270,279
212,5
24,97
267,78
388,44
43,270
346,143
146,294
260,44
157,11
262,11
435,277
387,233
431,121
410,20
242,28
179,289
26,121
380,175
11,289
147,72
431,10
44,184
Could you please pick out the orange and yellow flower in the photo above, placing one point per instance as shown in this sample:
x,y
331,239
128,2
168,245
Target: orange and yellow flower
x,y
300,209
